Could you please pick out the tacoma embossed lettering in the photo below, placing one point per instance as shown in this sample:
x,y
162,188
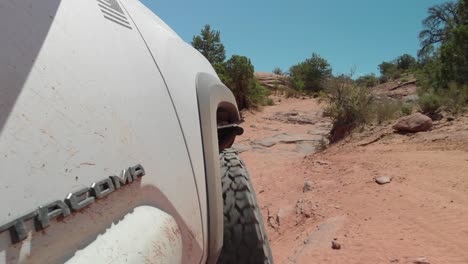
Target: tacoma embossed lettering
x,y
73,202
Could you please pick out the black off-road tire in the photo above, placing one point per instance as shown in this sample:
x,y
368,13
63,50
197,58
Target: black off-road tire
x,y
245,239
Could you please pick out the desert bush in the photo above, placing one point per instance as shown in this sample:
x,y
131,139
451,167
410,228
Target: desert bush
x,y
348,106
430,102
368,80
383,79
277,70
257,95
394,69
388,69
297,83
455,98
384,110
396,75
351,106
404,79
405,62
311,74
407,108
240,79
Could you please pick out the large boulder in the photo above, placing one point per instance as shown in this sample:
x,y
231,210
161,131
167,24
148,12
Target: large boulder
x,y
272,80
416,122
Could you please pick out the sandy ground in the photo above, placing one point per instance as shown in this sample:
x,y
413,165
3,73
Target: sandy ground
x,y
422,213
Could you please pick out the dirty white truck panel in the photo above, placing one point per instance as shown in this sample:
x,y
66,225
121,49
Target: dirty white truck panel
x,y
90,89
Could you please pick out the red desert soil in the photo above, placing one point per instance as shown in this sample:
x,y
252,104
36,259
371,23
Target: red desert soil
x,y
421,213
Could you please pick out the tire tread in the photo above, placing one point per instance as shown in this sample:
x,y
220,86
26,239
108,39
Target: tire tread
x,y
245,239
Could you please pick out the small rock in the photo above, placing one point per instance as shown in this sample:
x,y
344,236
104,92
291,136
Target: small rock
x,y
421,260
383,180
282,214
335,245
307,186
253,126
416,122
450,118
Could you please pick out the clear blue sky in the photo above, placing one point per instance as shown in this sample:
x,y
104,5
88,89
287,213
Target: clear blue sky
x,y
348,33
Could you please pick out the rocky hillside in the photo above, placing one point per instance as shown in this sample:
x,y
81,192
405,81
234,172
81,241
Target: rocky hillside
x,y
272,80
404,89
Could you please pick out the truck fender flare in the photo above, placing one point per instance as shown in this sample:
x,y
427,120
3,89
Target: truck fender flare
x,y
214,99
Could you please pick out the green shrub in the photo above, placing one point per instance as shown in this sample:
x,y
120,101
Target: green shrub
x,y
351,106
384,110
404,79
297,84
388,69
311,74
241,80
396,75
396,68
257,95
430,102
407,108
383,79
277,70
454,98
348,106
368,80
405,62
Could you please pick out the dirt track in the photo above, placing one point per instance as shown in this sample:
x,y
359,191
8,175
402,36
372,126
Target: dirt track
x,y
423,212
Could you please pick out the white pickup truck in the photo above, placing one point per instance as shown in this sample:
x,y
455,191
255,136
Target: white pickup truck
x,y
115,141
